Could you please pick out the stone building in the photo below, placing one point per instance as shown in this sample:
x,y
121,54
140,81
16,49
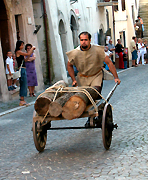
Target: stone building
x,y
16,22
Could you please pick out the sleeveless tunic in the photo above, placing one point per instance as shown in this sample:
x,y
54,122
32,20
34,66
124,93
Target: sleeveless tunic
x,y
88,63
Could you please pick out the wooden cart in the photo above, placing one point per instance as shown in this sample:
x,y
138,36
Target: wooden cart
x,y
103,119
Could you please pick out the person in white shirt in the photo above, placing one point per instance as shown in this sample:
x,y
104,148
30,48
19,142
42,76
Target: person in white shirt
x,y
9,70
141,51
109,54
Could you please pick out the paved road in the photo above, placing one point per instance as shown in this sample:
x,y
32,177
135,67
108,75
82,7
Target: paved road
x,y
79,154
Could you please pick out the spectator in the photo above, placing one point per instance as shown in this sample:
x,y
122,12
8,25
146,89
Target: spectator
x,y
31,71
125,57
141,22
133,49
9,70
109,54
146,54
141,51
14,67
111,48
20,62
119,49
138,29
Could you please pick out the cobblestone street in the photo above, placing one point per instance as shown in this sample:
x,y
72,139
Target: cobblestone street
x,y
79,154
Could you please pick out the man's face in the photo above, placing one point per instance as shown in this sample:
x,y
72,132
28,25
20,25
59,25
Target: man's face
x,y
84,42
110,41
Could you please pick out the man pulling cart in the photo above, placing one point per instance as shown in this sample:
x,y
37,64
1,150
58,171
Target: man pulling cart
x,y
88,60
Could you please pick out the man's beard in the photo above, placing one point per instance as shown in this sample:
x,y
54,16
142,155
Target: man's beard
x,y
85,47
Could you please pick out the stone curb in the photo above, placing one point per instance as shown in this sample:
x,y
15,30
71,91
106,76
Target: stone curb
x,y
31,103
15,109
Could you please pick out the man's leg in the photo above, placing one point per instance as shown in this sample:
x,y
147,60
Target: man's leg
x,y
99,88
138,59
142,54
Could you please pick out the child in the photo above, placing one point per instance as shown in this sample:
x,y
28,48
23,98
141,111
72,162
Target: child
x,y
14,67
125,58
9,70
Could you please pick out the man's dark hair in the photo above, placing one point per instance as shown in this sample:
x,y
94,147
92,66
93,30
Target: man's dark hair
x,y
85,33
138,16
133,37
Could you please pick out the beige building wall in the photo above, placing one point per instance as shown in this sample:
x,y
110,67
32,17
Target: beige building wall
x,y
86,17
124,21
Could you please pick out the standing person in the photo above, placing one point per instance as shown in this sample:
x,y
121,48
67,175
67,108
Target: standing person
x,y
146,54
20,62
89,59
133,50
9,70
141,21
138,28
111,48
141,51
14,67
31,71
109,54
125,58
119,49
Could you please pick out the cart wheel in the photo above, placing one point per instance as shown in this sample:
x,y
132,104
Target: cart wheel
x,y
39,136
107,121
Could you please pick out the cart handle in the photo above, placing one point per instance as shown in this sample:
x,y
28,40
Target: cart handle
x,y
111,92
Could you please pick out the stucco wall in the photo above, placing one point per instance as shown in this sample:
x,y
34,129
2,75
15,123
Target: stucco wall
x,y
90,18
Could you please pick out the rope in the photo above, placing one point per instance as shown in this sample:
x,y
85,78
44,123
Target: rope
x,y
81,89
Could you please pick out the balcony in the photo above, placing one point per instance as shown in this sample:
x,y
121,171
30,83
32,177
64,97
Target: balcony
x,y
102,3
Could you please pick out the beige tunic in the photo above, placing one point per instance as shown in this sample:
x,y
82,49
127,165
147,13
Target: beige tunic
x,y
88,64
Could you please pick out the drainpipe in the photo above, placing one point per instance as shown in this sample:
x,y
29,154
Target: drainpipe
x,y
113,23
46,39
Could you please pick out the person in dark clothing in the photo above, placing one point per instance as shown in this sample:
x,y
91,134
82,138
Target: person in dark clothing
x,y
125,58
119,49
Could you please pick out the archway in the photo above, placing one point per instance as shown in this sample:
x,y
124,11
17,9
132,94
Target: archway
x,y
74,28
62,33
5,38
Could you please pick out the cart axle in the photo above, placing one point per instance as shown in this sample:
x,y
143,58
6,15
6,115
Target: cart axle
x,y
64,128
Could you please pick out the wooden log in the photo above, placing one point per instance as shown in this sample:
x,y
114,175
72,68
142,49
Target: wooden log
x,y
41,105
55,108
76,105
42,102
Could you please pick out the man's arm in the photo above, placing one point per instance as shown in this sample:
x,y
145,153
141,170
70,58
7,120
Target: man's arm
x,y
112,69
71,73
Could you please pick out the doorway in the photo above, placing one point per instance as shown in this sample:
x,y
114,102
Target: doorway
x,y
4,35
62,33
73,26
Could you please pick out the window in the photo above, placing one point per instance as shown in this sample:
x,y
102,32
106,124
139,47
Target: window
x,y
136,4
116,6
123,5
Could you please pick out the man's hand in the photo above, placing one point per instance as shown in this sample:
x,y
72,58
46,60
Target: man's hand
x,y
74,84
112,69
117,80
10,74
